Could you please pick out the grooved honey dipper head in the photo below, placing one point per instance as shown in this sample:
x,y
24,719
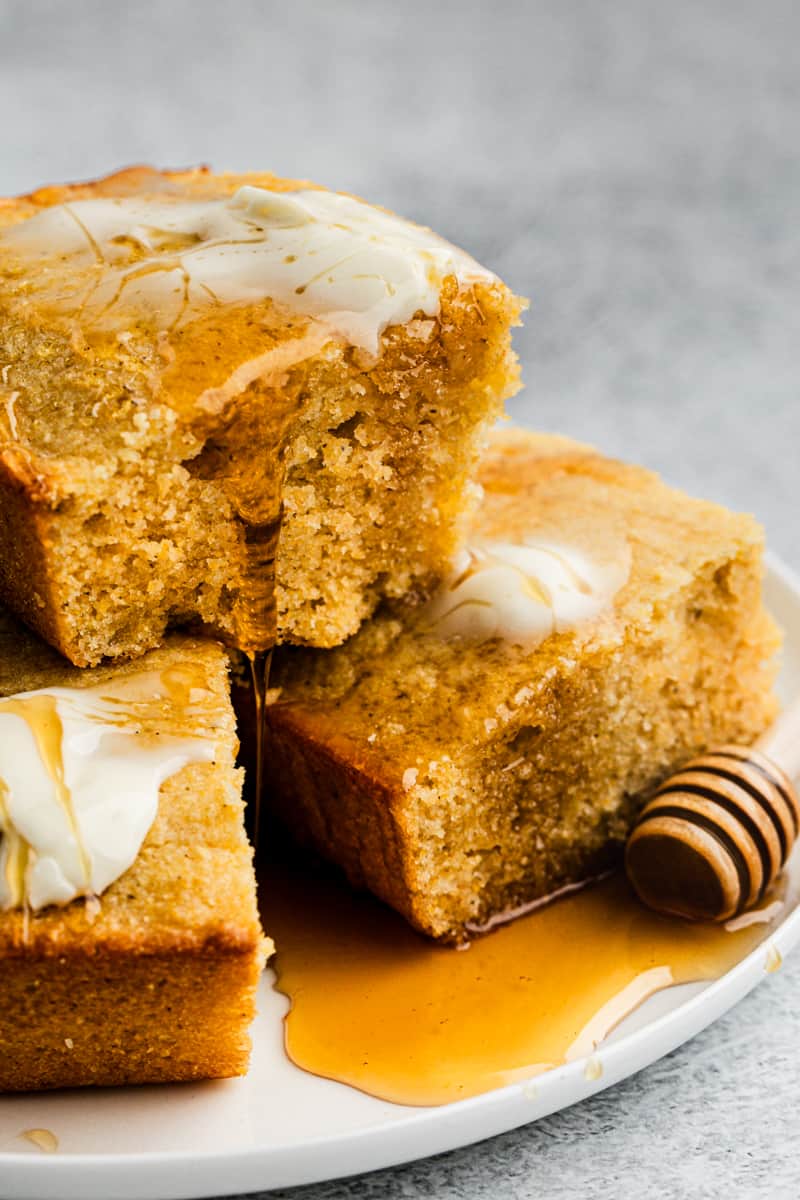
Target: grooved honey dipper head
x,y
714,836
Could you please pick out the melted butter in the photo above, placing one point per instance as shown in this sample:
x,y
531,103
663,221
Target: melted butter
x,y
80,775
376,1006
524,592
330,257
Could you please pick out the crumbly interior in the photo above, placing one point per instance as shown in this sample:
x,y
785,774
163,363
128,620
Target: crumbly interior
x,y
159,983
136,469
459,781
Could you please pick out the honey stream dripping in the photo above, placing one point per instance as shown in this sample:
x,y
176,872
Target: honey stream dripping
x,y
376,1006
260,664
254,483
257,494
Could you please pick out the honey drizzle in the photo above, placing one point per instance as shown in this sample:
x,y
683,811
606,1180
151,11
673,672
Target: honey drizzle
x,y
40,714
376,1006
267,414
17,855
260,664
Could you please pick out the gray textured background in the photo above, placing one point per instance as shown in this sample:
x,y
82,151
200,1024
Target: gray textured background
x,y
634,168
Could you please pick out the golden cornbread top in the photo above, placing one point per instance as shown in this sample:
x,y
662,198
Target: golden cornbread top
x,y
167,258
184,278
57,319
398,690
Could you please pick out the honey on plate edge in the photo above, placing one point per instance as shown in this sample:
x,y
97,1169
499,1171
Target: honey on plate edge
x,y
377,1006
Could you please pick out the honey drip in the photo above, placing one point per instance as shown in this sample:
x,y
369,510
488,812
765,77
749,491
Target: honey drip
x,y
18,855
376,1006
44,1139
258,499
40,714
260,664
246,457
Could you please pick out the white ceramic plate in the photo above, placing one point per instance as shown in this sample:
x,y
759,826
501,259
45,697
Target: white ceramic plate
x,y
280,1126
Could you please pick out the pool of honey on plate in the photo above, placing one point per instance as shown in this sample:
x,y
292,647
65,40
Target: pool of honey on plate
x,y
377,1006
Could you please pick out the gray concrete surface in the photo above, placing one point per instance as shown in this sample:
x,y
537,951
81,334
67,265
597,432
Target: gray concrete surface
x,y
632,167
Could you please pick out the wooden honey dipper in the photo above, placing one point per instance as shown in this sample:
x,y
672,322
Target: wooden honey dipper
x,y
717,833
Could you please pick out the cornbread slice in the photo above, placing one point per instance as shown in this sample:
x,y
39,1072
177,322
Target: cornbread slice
x,y
156,980
461,778
165,392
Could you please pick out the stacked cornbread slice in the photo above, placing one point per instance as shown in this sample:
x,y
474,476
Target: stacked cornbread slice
x,y
129,937
188,361
467,756
236,405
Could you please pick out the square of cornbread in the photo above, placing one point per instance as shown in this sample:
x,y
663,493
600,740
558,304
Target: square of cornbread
x,y
154,982
144,460
461,779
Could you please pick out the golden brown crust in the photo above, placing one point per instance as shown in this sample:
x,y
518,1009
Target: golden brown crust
x,y
110,1019
334,804
340,806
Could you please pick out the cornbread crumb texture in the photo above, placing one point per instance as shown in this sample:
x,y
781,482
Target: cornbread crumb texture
x,y
158,983
459,780
127,454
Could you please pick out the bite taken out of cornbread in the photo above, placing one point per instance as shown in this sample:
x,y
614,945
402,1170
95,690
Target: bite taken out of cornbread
x,y
188,358
130,945
468,756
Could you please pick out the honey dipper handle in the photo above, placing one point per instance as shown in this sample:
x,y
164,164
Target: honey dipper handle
x,y
781,742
